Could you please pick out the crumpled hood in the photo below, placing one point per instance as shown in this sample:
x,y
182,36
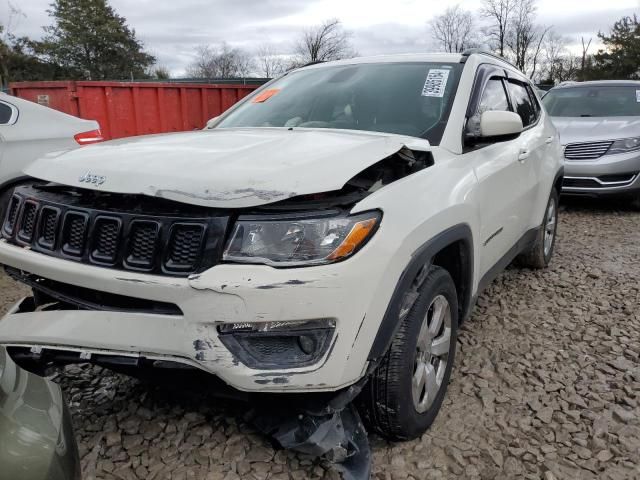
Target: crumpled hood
x,y
225,168
591,129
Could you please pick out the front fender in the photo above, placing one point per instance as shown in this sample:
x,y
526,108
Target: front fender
x,y
422,256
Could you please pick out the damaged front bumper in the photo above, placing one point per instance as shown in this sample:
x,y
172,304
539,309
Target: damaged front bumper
x,y
178,320
187,328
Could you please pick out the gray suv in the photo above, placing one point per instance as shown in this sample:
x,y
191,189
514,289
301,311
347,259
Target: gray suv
x,y
599,127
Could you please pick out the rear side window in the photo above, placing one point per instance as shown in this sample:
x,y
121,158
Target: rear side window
x,y
522,103
5,113
534,101
494,97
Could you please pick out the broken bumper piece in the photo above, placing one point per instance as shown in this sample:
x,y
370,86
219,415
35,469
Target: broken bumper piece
x,y
339,437
321,426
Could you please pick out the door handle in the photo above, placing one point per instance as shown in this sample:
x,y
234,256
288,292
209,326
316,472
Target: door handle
x,y
523,155
549,140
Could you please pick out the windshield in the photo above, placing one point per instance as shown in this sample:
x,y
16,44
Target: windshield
x,y
596,101
405,98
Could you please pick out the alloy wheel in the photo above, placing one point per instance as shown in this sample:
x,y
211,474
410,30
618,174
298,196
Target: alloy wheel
x,y
550,227
432,354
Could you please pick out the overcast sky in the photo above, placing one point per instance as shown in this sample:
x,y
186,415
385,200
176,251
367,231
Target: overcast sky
x,y
171,29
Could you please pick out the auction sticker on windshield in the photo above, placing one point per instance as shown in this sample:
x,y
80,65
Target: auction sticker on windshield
x,y
436,83
266,95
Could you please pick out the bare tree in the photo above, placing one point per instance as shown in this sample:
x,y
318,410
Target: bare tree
x,y
560,64
324,42
220,61
7,40
555,49
568,68
524,37
454,29
498,12
204,64
269,63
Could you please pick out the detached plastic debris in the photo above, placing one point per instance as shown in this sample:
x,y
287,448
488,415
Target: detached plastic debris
x,y
338,436
320,425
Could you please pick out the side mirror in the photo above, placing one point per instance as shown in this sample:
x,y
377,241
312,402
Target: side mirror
x,y
500,124
211,122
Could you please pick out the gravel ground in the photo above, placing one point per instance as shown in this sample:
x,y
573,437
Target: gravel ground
x,y
546,385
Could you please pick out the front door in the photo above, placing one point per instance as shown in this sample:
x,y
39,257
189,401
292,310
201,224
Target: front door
x,y
503,186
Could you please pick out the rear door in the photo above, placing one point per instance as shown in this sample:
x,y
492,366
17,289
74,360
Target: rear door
x,y
534,142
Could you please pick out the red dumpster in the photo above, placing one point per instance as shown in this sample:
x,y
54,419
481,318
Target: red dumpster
x,y
124,109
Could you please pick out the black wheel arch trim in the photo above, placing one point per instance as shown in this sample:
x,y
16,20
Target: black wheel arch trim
x,y
424,256
558,178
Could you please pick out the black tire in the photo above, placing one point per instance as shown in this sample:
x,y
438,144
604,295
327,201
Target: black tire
x,y
537,256
386,402
635,202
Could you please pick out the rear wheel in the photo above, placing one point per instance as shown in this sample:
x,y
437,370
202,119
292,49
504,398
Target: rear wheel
x,y
540,253
405,393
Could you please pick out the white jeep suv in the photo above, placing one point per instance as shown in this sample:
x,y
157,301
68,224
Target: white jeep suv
x,y
328,234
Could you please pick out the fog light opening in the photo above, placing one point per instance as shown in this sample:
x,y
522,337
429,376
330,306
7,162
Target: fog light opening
x,y
307,344
281,344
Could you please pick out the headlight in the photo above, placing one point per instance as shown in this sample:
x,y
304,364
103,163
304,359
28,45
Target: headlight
x,y
287,242
624,145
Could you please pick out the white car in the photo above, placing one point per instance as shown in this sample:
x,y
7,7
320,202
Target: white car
x,y
28,131
327,234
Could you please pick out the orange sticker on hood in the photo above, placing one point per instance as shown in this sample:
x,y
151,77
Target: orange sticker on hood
x,y
266,95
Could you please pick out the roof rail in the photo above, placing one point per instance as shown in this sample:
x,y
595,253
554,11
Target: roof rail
x,y
470,51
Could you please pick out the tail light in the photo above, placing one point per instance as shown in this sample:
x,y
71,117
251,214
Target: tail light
x,y
92,136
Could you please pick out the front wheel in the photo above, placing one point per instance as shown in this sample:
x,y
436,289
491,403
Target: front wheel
x,y
404,394
540,253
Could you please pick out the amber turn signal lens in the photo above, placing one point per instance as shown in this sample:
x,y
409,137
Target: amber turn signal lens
x,y
358,234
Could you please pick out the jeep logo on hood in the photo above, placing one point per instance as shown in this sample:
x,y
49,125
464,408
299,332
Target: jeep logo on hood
x,y
91,178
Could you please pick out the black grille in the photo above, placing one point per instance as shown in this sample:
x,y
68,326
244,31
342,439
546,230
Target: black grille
x,y
48,227
28,221
12,215
184,245
105,239
116,231
623,178
580,183
74,232
143,241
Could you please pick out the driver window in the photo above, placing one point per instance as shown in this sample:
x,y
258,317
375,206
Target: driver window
x,y
494,97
